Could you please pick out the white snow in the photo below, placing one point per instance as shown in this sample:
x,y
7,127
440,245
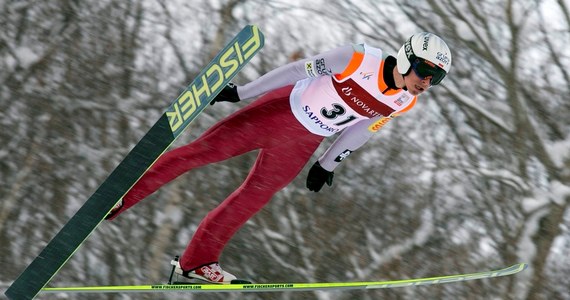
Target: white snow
x,y
26,56
465,31
560,193
559,151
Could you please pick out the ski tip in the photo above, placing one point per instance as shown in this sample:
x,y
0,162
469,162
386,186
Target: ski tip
x,y
256,32
521,266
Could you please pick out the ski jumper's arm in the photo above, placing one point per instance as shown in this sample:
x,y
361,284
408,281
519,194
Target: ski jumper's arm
x,y
348,141
330,62
353,138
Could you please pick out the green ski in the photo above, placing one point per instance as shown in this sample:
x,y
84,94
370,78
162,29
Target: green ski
x,y
280,287
177,117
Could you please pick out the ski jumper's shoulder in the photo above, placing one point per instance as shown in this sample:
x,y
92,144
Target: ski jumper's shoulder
x,y
323,64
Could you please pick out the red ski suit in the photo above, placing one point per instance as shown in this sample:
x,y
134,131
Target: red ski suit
x,y
285,147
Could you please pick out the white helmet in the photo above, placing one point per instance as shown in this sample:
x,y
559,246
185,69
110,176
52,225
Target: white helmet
x,y
427,54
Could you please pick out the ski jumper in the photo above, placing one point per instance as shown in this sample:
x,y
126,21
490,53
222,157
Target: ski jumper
x,y
349,89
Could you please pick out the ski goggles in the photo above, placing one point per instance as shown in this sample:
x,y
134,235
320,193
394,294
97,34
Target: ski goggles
x,y
424,68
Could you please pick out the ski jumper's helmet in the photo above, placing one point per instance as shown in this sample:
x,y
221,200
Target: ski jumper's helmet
x,y
427,55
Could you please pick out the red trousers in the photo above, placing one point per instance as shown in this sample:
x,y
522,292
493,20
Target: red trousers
x,y
285,147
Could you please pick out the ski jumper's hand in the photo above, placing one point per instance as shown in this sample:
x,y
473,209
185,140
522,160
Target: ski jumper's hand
x,y
318,176
228,94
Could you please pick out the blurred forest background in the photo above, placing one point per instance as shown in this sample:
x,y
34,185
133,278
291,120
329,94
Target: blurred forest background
x,y
476,177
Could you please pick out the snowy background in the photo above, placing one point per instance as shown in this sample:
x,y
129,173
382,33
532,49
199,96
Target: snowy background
x,y
476,177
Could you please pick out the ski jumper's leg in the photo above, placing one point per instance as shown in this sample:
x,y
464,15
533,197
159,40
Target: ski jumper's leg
x,y
230,137
276,166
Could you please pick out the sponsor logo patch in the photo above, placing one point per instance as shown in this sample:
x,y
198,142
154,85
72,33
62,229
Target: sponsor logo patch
x,y
343,155
379,124
321,67
366,75
309,69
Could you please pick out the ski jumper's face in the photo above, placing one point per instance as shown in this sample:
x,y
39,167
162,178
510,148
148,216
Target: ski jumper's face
x,y
415,84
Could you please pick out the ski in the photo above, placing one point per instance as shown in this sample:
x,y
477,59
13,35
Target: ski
x,y
189,104
279,287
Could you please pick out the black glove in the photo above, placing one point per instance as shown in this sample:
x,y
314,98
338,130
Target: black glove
x,y
228,93
317,177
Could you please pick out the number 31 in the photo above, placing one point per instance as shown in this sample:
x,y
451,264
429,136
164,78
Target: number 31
x,y
337,111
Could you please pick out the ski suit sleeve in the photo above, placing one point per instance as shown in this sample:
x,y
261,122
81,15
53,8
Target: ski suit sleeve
x,y
348,141
327,63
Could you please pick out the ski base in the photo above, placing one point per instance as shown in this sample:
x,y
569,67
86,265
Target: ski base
x,y
279,287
